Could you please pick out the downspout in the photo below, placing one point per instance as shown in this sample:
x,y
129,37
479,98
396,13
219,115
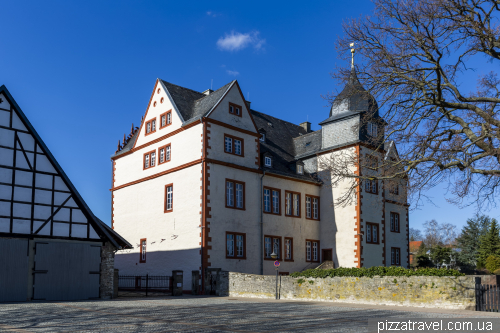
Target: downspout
x,y
262,223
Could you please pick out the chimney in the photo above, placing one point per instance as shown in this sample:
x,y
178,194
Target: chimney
x,y
306,125
248,104
207,92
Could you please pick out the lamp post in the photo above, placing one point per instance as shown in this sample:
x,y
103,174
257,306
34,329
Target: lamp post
x,y
276,264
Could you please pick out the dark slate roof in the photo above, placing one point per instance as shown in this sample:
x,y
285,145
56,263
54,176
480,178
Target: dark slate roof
x,y
307,144
193,104
279,142
352,100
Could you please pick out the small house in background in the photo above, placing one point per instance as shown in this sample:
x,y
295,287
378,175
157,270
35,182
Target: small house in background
x,y
52,247
414,246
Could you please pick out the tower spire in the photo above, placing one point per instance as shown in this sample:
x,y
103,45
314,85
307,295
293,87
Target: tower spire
x,y
352,54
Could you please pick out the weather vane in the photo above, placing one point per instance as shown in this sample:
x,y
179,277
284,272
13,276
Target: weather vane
x,y
352,54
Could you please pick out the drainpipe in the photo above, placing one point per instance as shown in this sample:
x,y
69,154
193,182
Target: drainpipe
x,y
262,224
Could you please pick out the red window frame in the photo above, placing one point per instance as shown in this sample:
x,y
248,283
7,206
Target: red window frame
x,y
312,246
395,223
280,251
166,119
233,150
235,106
235,256
271,201
165,210
146,133
234,193
371,235
291,249
300,199
371,188
165,152
394,257
312,206
143,250
144,160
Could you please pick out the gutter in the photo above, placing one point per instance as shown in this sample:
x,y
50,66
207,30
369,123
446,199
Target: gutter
x,y
262,223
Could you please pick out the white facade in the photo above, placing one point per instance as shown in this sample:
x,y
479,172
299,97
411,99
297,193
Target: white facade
x,y
194,234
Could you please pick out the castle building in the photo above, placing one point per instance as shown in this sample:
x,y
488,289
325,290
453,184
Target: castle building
x,y
207,182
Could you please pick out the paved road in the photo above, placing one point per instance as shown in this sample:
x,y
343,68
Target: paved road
x,y
199,314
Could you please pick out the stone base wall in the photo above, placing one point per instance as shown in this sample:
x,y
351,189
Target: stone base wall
x,y
419,291
107,270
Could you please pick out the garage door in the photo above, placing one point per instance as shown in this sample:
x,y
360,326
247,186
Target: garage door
x,y
66,271
13,270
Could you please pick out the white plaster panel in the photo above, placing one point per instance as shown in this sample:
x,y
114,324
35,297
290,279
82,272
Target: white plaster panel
x,y
5,175
43,164
6,137
77,216
92,233
79,230
60,197
42,212
60,229
21,161
4,104
156,111
5,208
6,157
21,226
71,203
186,147
43,181
5,192
59,184
27,141
4,118
4,225
62,215
24,178
21,210
139,213
22,194
44,197
17,123
45,230
221,112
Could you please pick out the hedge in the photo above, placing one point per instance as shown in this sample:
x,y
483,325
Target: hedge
x,y
375,271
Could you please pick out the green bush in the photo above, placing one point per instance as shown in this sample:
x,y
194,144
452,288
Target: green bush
x,y
492,263
497,272
375,271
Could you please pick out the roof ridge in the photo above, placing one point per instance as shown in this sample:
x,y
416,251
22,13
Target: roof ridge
x,y
303,135
213,92
277,118
182,87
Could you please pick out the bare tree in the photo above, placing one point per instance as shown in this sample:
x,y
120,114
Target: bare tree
x,y
415,235
413,56
439,234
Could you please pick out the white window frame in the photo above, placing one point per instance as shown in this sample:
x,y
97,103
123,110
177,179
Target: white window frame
x,y
267,161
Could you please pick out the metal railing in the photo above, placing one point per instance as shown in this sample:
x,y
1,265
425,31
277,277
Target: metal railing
x,y
140,284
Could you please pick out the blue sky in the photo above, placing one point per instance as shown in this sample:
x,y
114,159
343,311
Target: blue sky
x,y
83,71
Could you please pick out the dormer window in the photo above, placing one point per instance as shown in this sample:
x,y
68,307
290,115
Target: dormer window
x,y
372,129
268,161
300,169
262,133
235,109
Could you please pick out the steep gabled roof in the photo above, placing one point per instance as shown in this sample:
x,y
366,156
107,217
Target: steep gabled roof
x,y
103,230
193,104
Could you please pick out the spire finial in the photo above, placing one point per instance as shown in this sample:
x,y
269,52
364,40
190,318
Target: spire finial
x,y
352,54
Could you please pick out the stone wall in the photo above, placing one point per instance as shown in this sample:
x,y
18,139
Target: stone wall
x,y
107,270
419,291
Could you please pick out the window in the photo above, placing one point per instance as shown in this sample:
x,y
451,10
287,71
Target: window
x,y
235,245
372,129
394,222
372,233
288,249
233,145
272,200
292,204
235,194
169,198
149,159
263,137
372,162
166,119
267,161
395,256
393,188
312,207
272,243
300,169
151,126
164,154
142,250
371,186
312,250
235,109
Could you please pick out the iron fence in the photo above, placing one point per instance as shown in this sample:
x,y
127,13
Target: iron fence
x,y
135,285
487,297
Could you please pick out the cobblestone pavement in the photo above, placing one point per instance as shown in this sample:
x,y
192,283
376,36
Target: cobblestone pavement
x,y
195,314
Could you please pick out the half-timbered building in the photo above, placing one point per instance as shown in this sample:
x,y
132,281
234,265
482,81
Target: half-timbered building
x,y
51,245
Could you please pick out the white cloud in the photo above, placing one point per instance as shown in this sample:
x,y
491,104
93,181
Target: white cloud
x,y
212,14
233,73
237,41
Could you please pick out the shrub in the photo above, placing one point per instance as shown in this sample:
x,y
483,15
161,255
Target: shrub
x,y
497,272
375,271
492,263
